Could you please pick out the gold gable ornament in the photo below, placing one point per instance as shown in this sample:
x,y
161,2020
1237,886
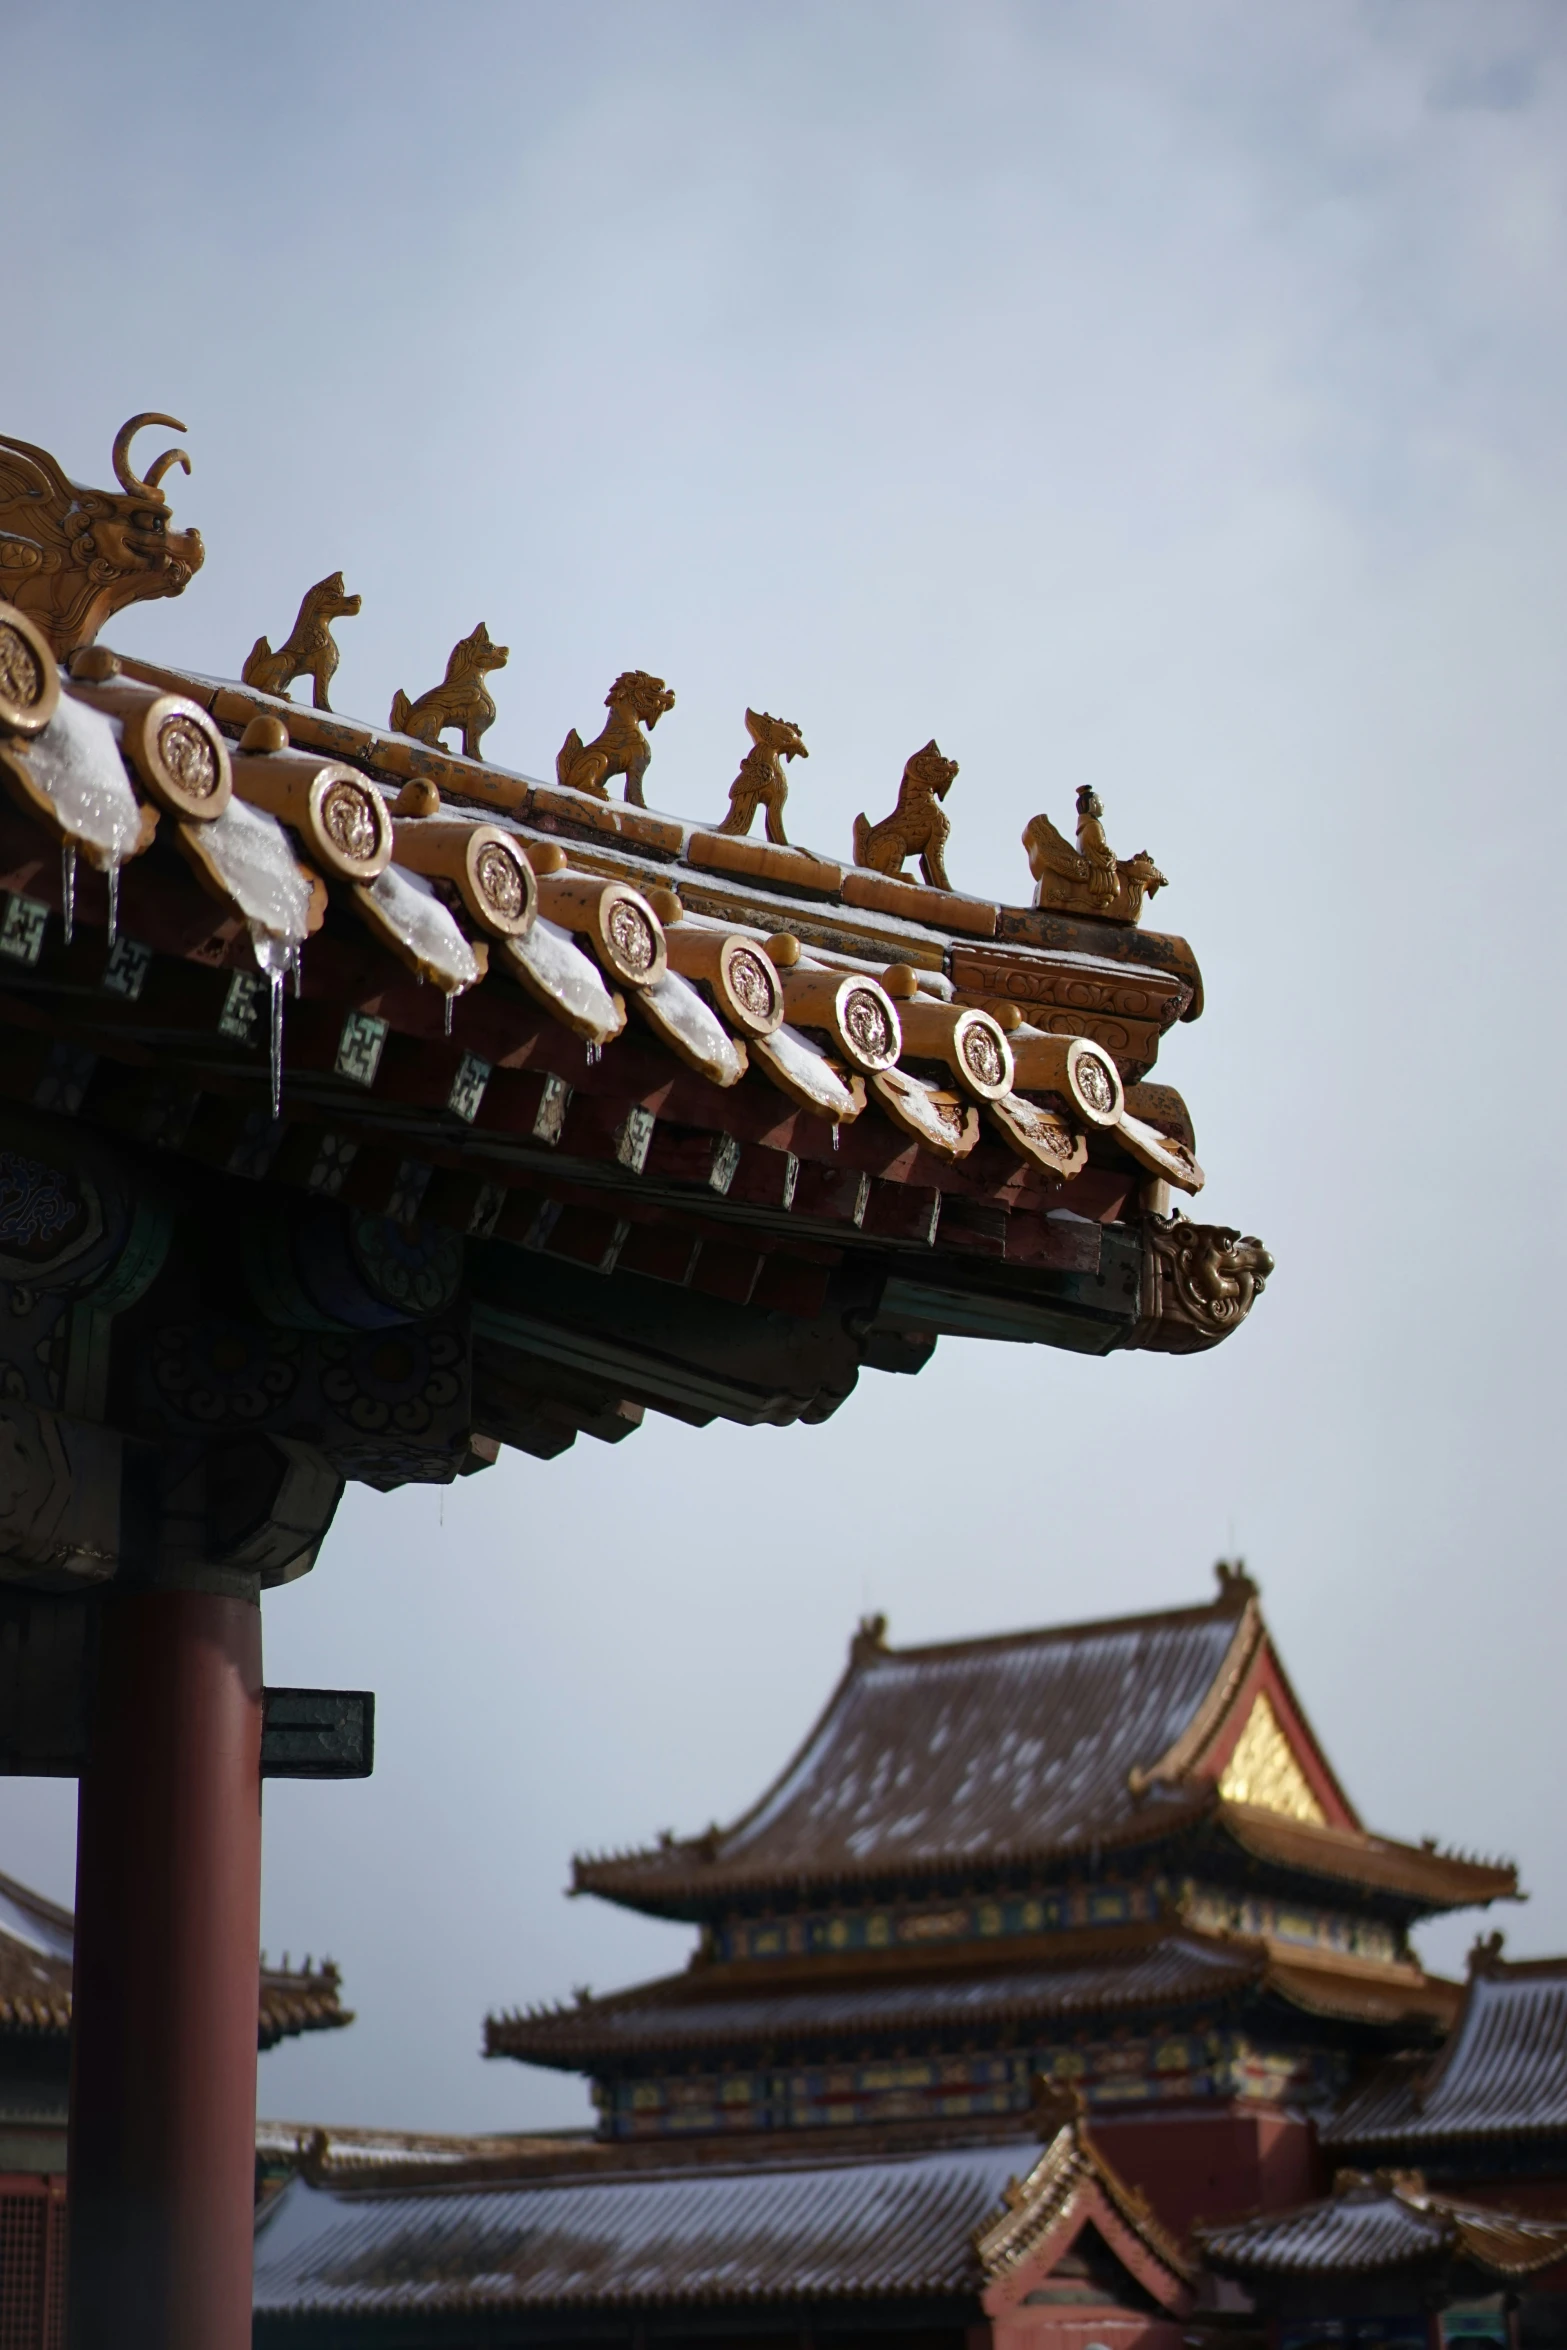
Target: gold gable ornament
x,y
1263,1770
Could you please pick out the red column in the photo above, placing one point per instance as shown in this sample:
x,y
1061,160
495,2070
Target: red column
x,y
168,1929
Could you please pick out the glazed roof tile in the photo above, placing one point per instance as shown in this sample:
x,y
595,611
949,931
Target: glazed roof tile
x,y
1160,1972
978,1751
36,1945
884,2225
1016,1751
1502,2072
680,2012
1381,2223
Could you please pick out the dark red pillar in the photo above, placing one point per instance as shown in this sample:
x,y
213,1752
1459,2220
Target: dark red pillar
x,y
168,1929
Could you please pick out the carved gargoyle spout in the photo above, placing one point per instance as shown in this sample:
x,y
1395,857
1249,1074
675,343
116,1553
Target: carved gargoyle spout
x,y
69,556
1199,1282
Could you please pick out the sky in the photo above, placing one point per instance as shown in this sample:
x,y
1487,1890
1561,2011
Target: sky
x,y
1171,398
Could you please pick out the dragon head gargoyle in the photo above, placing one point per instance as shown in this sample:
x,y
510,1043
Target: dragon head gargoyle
x,y
69,556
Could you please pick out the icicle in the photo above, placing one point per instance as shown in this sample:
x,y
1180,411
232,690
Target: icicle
x,y
275,995
68,886
113,878
593,1053
296,965
447,1011
837,1134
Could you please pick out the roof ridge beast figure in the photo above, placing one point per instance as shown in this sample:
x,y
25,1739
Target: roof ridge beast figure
x,y
70,557
761,782
636,700
462,699
918,825
308,650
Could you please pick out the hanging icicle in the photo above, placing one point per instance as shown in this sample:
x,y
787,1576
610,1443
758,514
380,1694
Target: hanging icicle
x,y
68,886
275,1036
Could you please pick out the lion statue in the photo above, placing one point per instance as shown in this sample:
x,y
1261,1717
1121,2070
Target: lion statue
x,y
635,700
761,782
918,825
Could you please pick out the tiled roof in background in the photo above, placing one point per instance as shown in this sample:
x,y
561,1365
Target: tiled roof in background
x,y
1386,2222
885,2225
1504,2069
980,1751
36,1943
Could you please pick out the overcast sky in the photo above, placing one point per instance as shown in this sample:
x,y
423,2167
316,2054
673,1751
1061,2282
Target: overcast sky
x,y
1171,398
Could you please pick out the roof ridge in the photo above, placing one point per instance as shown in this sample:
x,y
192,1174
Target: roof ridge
x,y
1038,1635
1207,1718
26,1898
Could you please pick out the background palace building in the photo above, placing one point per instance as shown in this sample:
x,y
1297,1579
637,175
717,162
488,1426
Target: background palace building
x,y
1053,1994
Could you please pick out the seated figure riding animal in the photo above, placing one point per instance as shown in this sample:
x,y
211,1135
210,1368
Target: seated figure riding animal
x,y
635,701
918,825
461,699
1090,879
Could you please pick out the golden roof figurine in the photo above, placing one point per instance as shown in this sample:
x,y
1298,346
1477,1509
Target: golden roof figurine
x,y
635,701
761,782
1090,879
309,649
918,825
70,557
462,699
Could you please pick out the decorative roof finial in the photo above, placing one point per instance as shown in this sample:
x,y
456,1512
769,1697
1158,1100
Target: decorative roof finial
x,y
1090,879
1486,1955
309,650
461,699
917,827
635,700
1235,1585
761,782
70,557
870,1640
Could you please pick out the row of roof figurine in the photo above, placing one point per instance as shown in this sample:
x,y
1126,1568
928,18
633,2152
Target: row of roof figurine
x,y
719,1000
1088,879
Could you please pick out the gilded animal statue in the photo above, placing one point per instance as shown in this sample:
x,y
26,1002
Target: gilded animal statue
x,y
461,699
1090,879
309,650
1219,1272
69,557
1197,1284
918,825
761,782
635,701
